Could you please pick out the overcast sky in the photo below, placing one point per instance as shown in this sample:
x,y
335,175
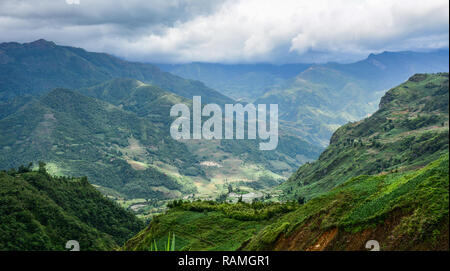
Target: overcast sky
x,y
234,31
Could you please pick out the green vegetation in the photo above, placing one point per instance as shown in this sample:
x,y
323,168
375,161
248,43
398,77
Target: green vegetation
x,y
40,66
412,206
170,246
384,178
41,212
315,99
81,136
114,128
409,131
208,225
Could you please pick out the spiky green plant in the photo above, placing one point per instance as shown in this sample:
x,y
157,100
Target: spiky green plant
x,y
170,246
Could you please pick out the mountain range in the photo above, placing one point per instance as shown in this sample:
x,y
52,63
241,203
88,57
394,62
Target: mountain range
x,y
40,66
344,172
77,112
384,178
315,99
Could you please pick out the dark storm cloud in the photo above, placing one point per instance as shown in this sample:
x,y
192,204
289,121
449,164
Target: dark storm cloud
x,y
127,13
233,30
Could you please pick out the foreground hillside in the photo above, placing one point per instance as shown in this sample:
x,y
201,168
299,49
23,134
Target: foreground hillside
x,y
402,211
40,212
378,180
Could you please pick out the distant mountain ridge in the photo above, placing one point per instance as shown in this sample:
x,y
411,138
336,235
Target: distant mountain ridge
x,y
234,79
315,99
239,81
40,66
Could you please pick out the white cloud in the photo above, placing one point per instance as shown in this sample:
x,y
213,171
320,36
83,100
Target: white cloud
x,y
232,31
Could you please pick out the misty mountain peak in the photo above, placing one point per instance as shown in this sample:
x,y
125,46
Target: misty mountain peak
x,y
42,43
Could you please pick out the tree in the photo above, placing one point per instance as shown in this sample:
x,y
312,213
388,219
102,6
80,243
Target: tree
x,y
301,200
221,198
230,188
42,167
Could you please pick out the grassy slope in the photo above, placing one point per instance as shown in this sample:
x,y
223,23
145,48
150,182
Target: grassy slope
x,y
40,212
408,131
207,225
402,211
402,204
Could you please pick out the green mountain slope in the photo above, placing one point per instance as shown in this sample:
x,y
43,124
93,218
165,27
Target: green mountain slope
x,y
40,212
132,95
378,180
232,160
208,225
117,134
324,97
40,66
408,131
402,211
81,136
315,99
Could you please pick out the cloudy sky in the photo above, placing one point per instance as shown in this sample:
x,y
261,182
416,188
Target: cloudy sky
x,y
231,31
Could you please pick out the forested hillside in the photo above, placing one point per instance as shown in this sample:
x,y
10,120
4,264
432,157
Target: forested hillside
x,y
117,134
384,178
40,66
408,131
41,212
81,136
